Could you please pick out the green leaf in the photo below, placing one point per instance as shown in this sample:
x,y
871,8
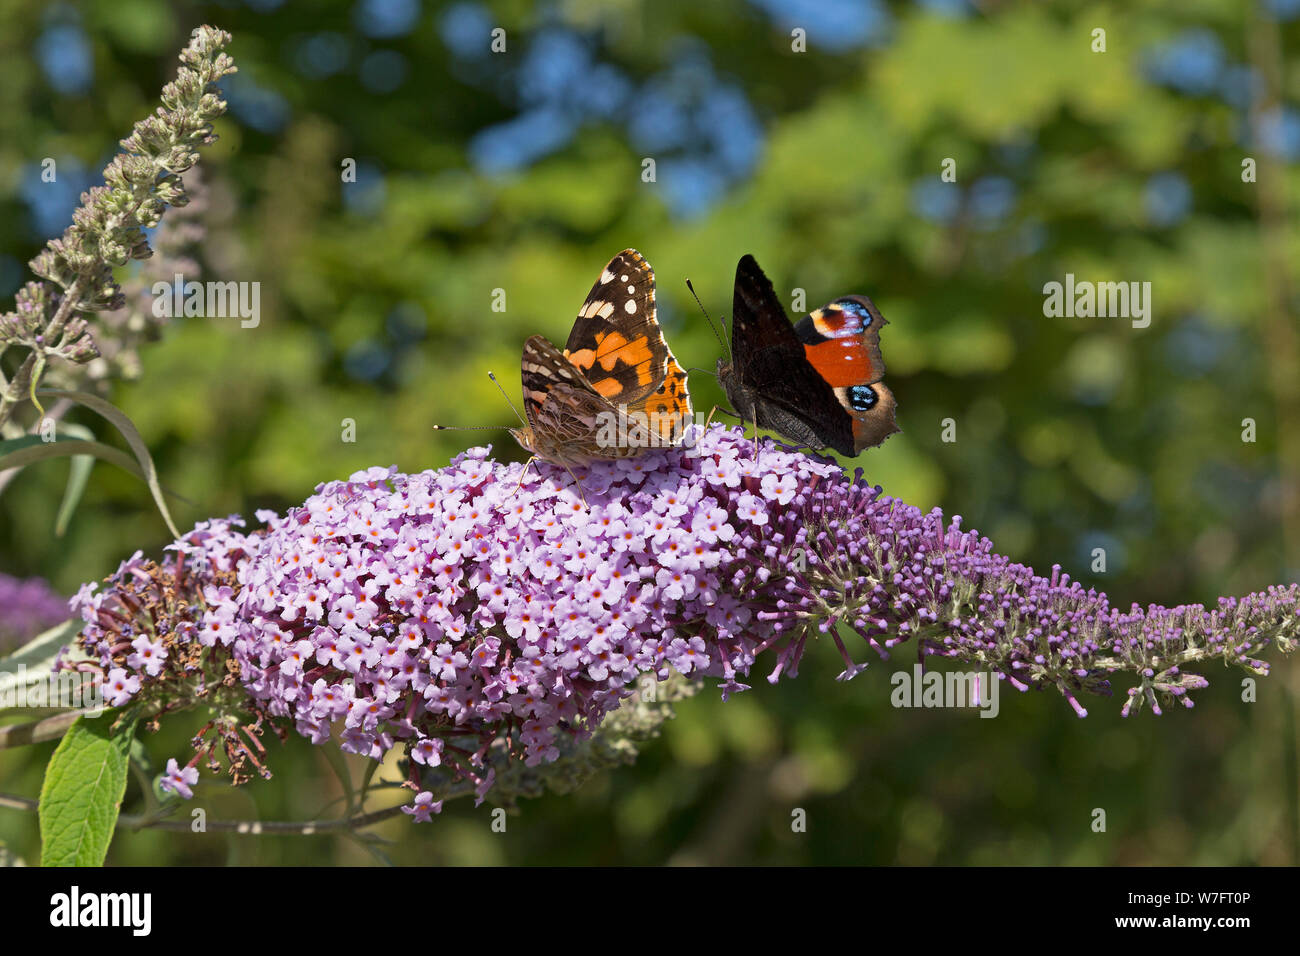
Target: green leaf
x,y
132,435
41,450
82,792
23,441
37,656
78,475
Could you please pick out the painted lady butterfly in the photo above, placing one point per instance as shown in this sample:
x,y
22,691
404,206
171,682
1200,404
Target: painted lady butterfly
x,y
616,389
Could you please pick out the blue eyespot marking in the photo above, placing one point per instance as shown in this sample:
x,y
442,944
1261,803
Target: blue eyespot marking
x,y
863,397
855,309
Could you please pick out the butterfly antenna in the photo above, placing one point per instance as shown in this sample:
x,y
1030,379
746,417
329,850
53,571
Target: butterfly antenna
x,y
721,337
475,428
493,376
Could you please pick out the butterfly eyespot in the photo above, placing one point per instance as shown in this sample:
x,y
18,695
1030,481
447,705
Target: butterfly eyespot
x,y
856,309
863,397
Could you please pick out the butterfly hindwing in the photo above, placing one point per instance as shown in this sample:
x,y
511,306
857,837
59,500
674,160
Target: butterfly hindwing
x,y
559,402
544,369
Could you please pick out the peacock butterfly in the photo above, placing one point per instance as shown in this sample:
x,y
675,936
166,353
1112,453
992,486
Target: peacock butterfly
x,y
817,382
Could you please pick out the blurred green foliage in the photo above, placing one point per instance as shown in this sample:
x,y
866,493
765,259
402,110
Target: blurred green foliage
x,y
1072,434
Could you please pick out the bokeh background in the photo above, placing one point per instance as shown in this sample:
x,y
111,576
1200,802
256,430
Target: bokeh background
x,y
522,171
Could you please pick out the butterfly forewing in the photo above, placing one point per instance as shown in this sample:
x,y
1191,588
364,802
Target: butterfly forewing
x,y
841,341
616,341
762,341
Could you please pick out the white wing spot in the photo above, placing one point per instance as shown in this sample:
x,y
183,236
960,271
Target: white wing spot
x,y
622,278
606,276
630,306
601,307
631,290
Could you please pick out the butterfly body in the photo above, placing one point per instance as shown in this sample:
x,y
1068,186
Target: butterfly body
x,y
615,389
817,382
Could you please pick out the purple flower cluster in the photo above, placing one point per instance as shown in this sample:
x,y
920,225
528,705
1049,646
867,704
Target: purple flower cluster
x,y
463,605
143,637
457,610
890,572
28,607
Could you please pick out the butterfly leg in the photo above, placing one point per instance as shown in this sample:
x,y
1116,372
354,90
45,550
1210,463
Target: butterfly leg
x,y
581,494
523,473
